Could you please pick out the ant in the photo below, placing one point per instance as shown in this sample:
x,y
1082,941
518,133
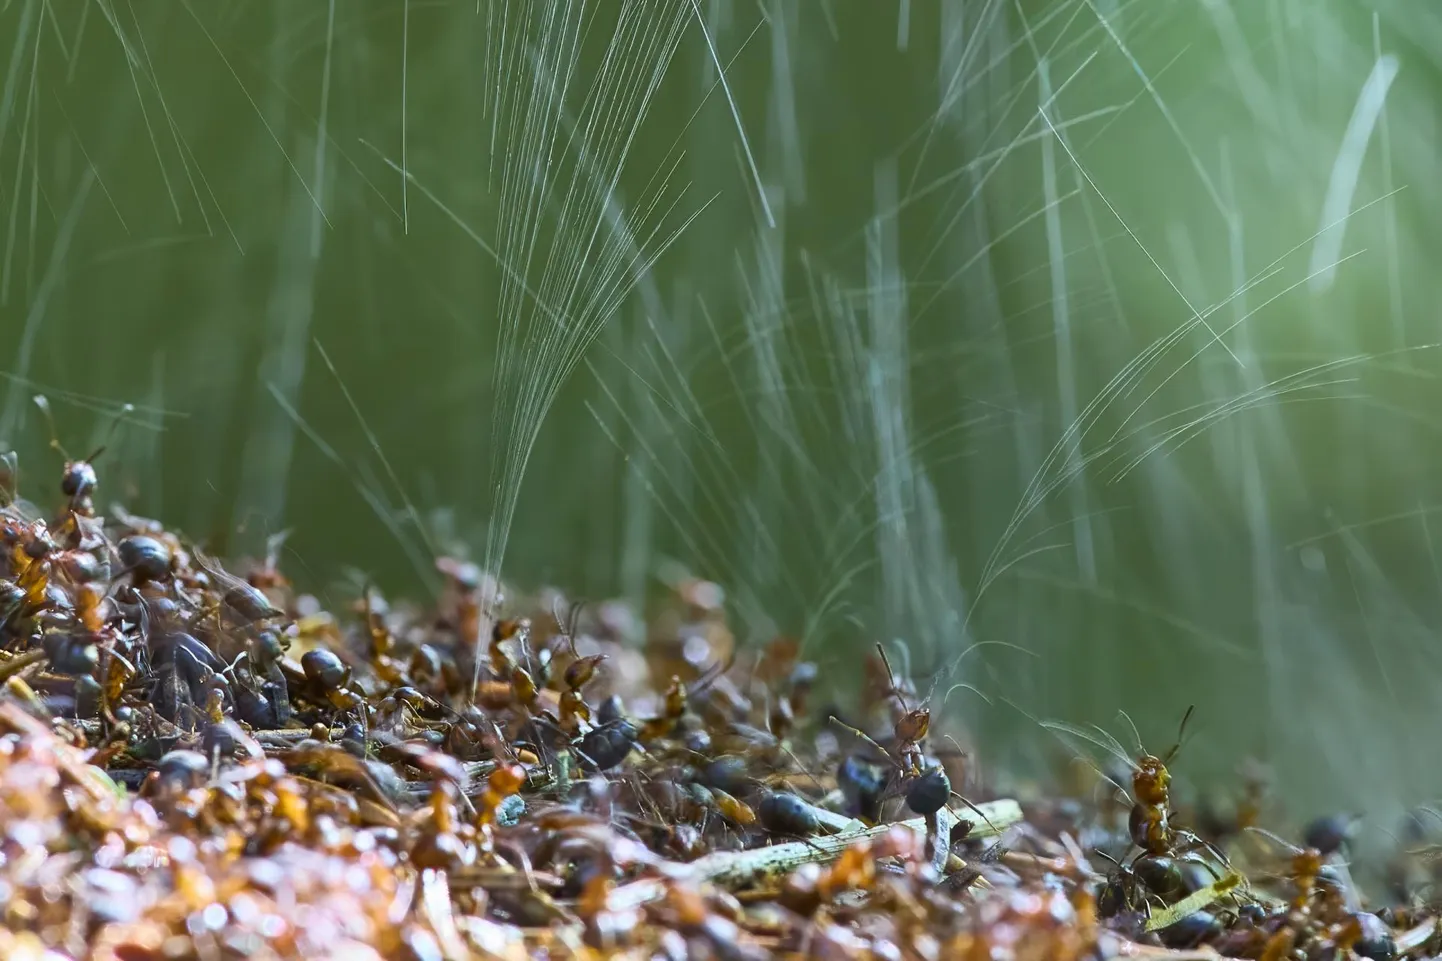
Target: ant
x,y
517,628
1306,869
503,782
1149,823
575,713
927,786
785,813
329,680
1324,914
676,700
246,603
606,746
78,480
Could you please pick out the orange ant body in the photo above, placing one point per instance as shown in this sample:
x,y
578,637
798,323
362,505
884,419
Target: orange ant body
x,y
1304,869
518,628
676,701
674,706
575,716
1149,821
503,782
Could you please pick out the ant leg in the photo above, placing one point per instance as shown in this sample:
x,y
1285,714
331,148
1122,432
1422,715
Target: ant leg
x,y
861,734
1186,841
976,810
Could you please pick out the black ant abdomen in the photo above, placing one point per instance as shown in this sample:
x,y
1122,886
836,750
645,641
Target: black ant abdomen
x,y
929,792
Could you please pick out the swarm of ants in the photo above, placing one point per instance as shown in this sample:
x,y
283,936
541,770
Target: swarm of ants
x,y
202,763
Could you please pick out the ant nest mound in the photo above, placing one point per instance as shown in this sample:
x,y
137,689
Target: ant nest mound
x,y
200,762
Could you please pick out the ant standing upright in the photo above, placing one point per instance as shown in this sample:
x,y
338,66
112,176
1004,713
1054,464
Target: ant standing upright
x,y
925,784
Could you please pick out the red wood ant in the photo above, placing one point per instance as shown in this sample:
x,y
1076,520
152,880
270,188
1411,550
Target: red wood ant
x,y
926,784
1149,822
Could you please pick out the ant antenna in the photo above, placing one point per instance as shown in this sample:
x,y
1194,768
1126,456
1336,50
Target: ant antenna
x,y
891,686
119,418
573,623
863,736
43,403
1136,735
1275,838
573,619
1181,735
229,670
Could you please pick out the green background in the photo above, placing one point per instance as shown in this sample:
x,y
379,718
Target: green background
x,y
849,405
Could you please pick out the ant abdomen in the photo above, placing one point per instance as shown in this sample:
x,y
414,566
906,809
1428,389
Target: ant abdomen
x,y
929,792
784,813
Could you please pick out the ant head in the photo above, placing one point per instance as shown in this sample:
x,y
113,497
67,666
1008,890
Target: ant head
x,y
78,479
913,726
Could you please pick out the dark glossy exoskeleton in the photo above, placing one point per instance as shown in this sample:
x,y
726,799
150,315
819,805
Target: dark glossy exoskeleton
x,y
1329,833
925,784
1196,873
783,813
427,664
267,649
324,669
729,773
225,737
863,785
265,709
37,542
1121,894
328,677
612,709
182,770
12,599
606,746
144,557
1376,941
80,567
86,693
694,734
78,481
71,654
929,792
242,601
1161,875
182,666
1191,931
1146,882
353,739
